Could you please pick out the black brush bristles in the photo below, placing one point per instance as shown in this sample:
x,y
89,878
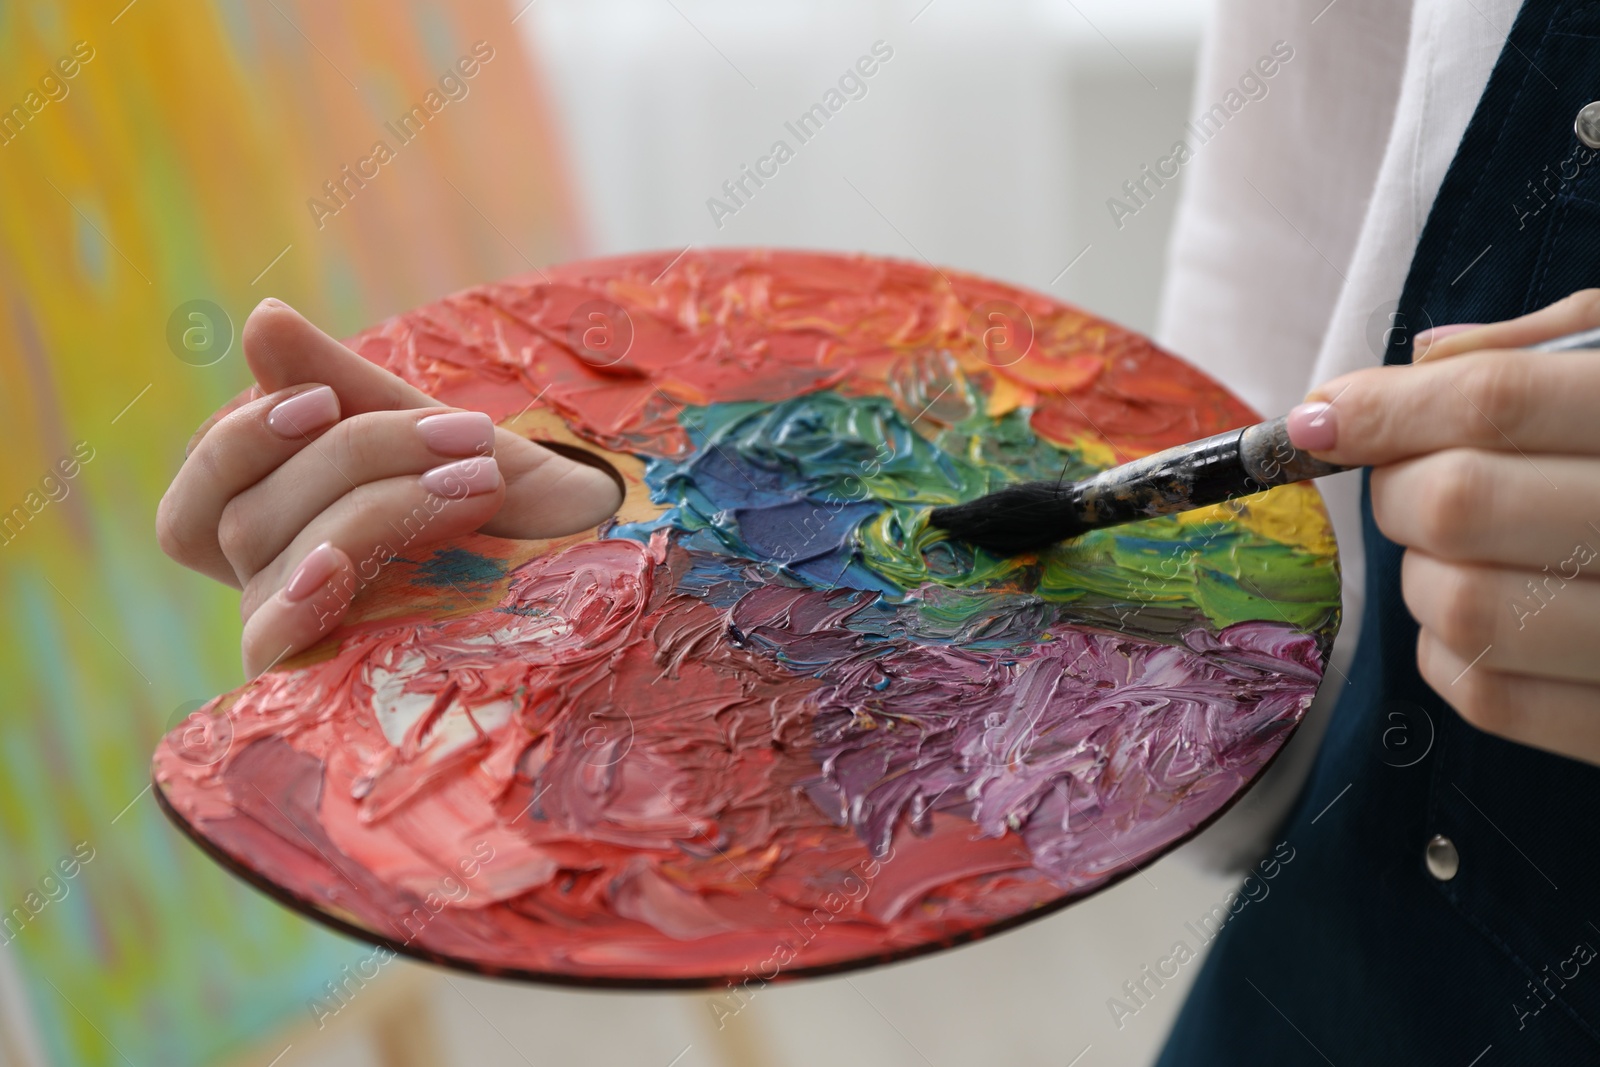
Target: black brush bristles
x,y
1016,519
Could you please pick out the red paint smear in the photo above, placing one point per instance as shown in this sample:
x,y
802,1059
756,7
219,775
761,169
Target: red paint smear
x,y
763,325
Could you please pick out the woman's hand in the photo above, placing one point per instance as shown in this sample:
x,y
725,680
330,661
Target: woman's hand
x,y
1486,466
309,480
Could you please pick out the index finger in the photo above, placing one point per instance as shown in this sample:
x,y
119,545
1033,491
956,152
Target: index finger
x,y
283,348
1510,401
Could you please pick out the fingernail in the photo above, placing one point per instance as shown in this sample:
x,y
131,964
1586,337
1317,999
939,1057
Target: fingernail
x,y
272,302
1313,427
1439,333
466,477
304,413
458,433
312,574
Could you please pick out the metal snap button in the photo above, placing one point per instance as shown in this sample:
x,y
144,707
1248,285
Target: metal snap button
x,y
1442,858
1587,127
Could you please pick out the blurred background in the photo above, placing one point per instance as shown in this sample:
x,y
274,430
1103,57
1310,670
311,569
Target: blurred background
x,y
193,163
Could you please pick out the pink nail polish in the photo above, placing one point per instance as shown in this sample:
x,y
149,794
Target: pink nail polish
x,y
304,413
458,433
1313,427
312,574
463,478
1439,333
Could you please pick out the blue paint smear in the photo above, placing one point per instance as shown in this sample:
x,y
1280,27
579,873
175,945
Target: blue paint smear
x,y
458,568
777,483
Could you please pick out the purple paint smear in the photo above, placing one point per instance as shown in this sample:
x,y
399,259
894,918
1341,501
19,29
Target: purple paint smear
x,y
1082,747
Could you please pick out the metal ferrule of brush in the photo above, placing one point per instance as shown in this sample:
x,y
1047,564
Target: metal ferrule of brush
x,y
1232,464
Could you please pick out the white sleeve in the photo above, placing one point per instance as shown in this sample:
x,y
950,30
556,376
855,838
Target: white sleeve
x,y
1272,203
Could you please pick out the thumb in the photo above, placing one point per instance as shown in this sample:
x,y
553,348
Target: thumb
x,y
547,494
1578,312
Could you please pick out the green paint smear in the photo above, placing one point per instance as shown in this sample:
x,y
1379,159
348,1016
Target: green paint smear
x,y
863,449
1230,575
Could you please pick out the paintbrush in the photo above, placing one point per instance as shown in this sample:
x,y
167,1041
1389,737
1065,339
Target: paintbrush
x,y
1032,515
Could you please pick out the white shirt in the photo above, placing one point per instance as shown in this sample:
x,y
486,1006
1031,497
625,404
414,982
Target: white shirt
x,y
1296,229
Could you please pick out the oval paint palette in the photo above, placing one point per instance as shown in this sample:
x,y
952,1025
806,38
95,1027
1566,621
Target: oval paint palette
x,y
766,722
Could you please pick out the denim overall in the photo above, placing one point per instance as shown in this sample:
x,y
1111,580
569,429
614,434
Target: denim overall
x,y
1362,954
